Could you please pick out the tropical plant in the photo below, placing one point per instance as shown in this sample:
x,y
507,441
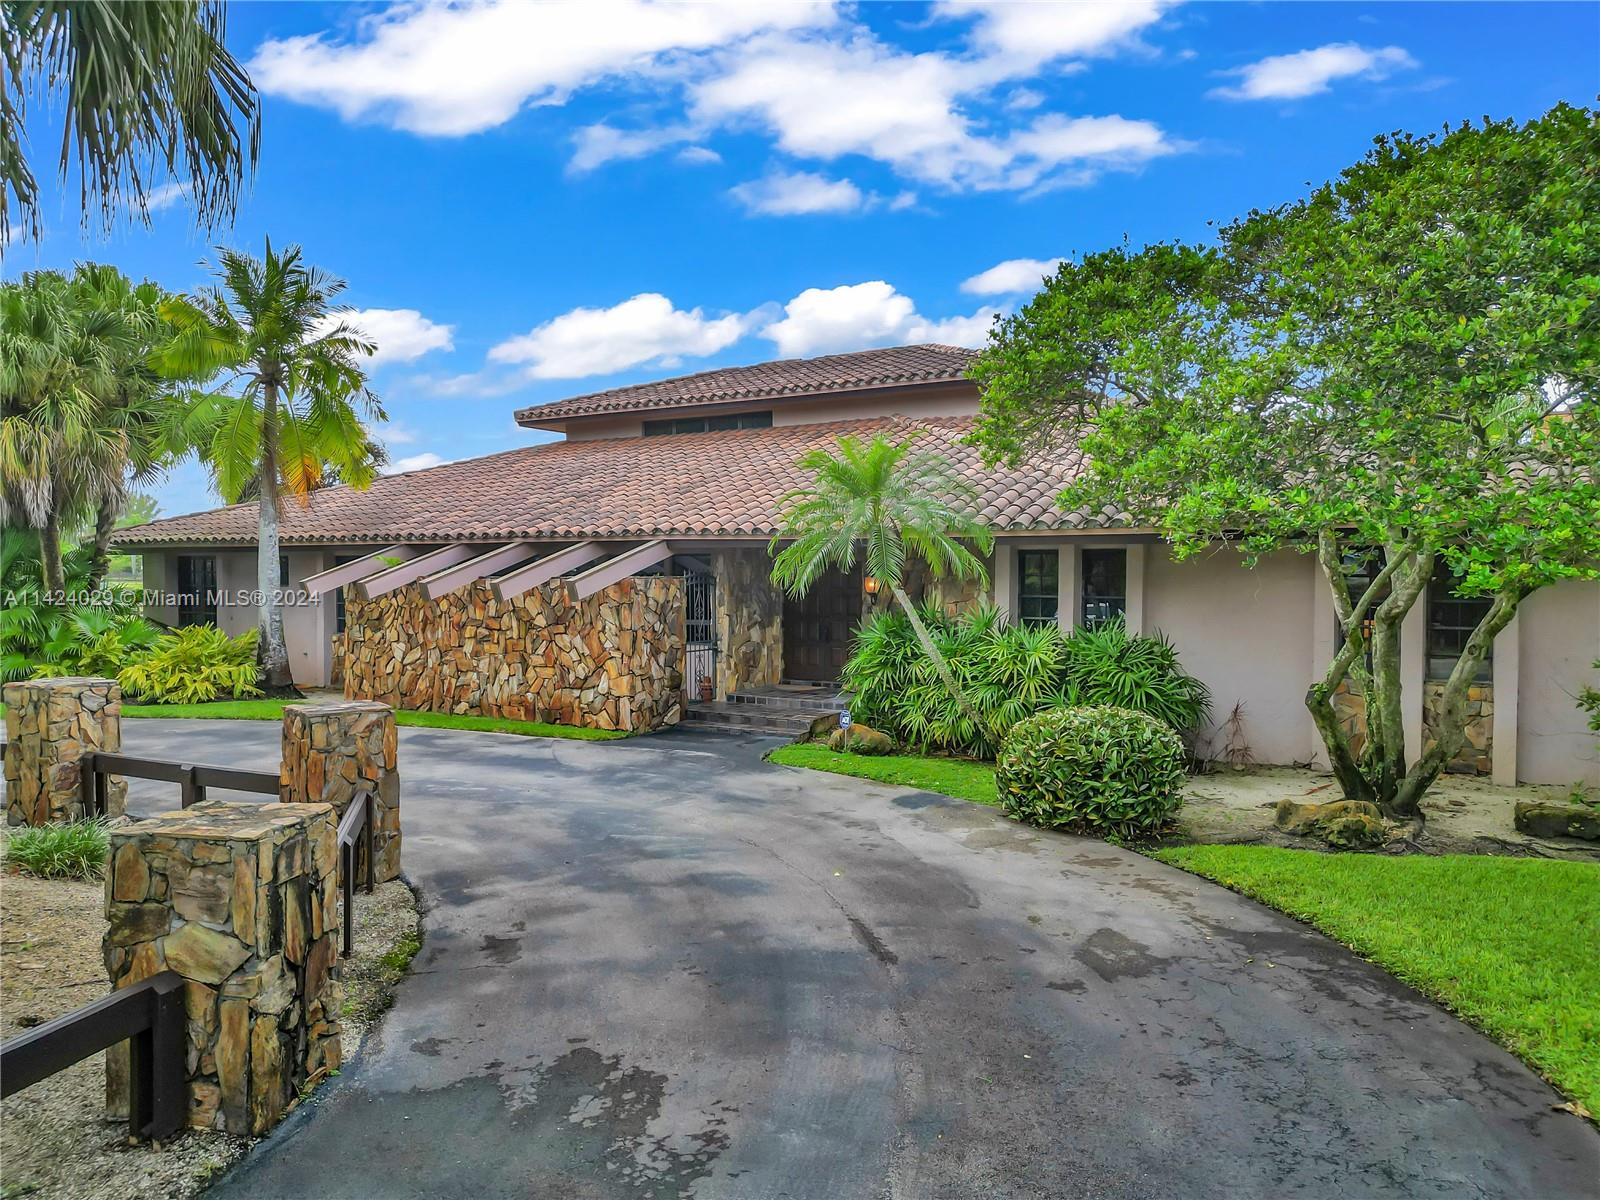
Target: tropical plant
x,y
193,665
96,642
1093,769
1402,365
75,850
28,625
81,413
1108,666
290,403
142,86
886,501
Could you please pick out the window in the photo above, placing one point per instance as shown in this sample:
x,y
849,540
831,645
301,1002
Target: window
x,y
197,589
283,570
339,560
1105,586
1361,567
750,420
1451,621
1038,586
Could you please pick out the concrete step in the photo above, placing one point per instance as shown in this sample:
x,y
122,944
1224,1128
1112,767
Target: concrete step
x,y
812,705
746,718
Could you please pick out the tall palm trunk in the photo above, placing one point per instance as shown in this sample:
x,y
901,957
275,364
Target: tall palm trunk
x,y
50,568
105,521
272,653
939,663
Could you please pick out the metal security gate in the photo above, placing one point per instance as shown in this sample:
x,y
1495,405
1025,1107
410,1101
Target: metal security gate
x,y
700,631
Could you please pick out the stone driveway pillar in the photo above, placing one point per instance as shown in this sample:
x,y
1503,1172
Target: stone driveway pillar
x,y
331,752
242,900
50,725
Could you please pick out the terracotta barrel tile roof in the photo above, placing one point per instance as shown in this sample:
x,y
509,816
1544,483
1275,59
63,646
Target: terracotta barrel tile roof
x,y
894,366
726,483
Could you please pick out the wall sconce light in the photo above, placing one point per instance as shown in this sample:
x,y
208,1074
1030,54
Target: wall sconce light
x,y
870,585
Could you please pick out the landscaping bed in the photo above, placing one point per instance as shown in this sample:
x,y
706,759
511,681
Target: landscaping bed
x,y
54,1138
1507,944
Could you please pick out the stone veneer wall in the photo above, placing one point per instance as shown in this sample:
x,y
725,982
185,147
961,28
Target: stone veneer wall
x,y
333,751
50,725
242,901
749,621
952,595
613,661
1476,756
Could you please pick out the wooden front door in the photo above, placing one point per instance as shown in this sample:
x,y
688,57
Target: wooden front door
x,y
819,628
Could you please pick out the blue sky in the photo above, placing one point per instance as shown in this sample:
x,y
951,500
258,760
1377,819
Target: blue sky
x,y
536,201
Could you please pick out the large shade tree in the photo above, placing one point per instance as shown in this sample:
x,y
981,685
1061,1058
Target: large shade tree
x,y
285,406
1397,374
145,90
887,502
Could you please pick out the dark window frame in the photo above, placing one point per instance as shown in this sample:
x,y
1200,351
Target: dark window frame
x,y
196,599
1039,604
1451,620
705,424
1100,605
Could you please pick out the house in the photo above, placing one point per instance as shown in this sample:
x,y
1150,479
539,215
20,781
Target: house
x,y
600,578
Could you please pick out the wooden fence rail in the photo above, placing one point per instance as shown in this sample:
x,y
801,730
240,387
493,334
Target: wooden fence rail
x,y
192,778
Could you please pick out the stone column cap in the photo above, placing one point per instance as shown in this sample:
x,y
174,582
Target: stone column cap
x,y
223,820
336,707
56,682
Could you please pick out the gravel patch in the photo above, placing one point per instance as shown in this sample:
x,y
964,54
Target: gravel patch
x,y
54,1139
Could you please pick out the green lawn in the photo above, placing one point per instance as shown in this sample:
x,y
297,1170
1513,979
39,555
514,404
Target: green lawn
x,y
272,710
959,777
1511,945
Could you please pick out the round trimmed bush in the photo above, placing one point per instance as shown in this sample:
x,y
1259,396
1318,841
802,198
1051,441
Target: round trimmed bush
x,y
1093,769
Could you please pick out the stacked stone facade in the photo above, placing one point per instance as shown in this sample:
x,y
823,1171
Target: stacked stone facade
x,y
332,752
749,621
1476,756
242,901
50,725
612,661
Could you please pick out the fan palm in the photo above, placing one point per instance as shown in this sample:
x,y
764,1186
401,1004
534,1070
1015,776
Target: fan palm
x,y
289,406
147,87
887,501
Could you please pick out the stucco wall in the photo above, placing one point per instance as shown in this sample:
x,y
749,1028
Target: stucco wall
x,y
1246,633
1559,640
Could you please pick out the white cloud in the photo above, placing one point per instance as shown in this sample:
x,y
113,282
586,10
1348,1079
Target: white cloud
x,y
698,155
600,144
396,434
415,462
401,334
1309,72
1011,278
1032,34
856,316
783,194
448,70
165,196
600,341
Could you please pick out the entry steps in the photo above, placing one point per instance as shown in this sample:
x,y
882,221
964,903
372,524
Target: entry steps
x,y
780,711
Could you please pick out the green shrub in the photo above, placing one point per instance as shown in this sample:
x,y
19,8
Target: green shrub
x,y
73,851
95,642
1009,672
38,638
192,666
1093,769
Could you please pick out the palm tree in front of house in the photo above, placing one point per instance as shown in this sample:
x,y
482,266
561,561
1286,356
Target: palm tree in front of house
x,y
888,502
288,407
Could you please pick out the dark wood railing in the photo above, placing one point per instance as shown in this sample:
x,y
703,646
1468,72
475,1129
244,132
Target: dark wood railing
x,y
355,829
192,778
150,1013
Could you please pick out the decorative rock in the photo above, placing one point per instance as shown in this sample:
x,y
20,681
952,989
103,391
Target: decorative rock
x,y
1359,831
50,725
612,661
823,727
1541,818
1302,819
331,752
252,889
861,739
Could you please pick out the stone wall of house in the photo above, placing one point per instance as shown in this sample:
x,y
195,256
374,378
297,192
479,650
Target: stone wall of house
x,y
952,595
50,725
749,620
242,901
1476,756
613,661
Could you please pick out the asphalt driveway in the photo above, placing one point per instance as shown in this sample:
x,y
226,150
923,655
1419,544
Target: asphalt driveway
x,y
664,968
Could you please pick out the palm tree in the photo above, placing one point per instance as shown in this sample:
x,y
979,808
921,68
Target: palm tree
x,y
885,500
289,407
147,88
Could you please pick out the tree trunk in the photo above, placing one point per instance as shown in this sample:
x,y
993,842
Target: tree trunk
x,y
50,570
939,663
272,653
1451,729
105,520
